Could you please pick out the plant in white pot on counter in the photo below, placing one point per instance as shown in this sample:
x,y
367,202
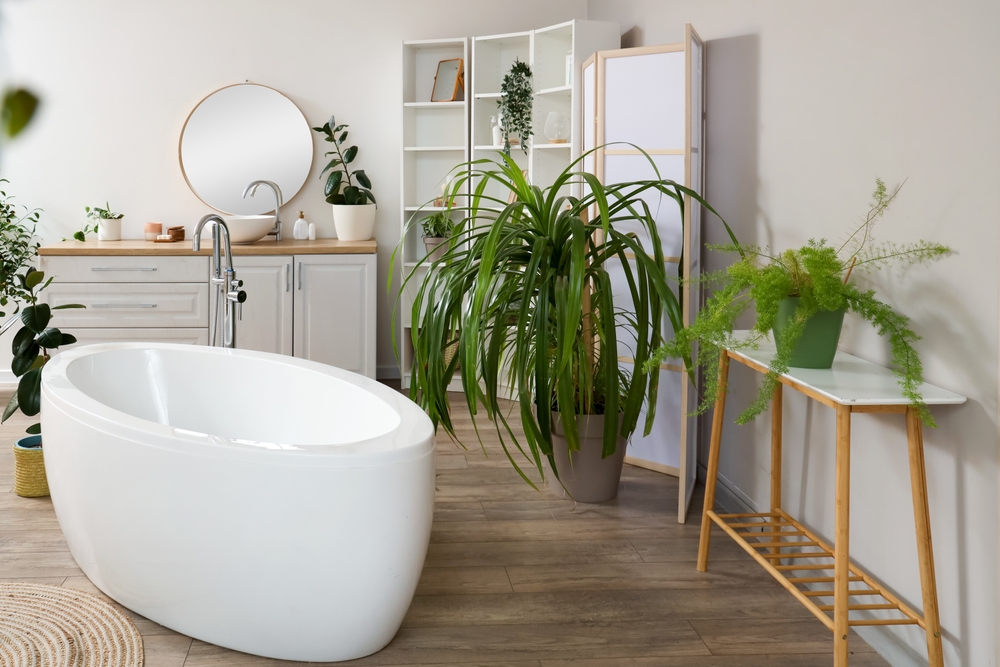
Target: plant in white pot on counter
x,y
105,222
348,192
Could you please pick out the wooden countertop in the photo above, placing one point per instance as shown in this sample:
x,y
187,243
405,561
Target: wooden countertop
x,y
140,247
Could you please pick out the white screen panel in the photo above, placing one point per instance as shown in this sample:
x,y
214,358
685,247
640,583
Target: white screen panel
x,y
666,213
625,332
644,100
662,445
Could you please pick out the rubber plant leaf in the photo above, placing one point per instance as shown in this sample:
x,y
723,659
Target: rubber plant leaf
x,y
36,317
29,391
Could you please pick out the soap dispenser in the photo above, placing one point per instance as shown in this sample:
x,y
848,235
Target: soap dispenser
x,y
300,231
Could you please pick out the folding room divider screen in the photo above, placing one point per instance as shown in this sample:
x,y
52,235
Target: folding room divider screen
x,y
652,98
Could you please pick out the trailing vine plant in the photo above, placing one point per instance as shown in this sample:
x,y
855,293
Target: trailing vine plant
x,y
819,274
515,105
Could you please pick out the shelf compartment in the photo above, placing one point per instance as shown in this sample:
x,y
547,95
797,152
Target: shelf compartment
x,y
557,90
434,105
742,528
420,61
432,126
418,149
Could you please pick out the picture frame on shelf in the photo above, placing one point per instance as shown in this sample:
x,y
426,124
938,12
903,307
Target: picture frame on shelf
x,y
448,80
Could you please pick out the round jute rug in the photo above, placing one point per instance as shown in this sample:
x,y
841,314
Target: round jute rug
x,y
50,626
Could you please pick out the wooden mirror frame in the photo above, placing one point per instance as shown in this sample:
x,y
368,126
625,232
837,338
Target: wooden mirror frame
x,y
459,80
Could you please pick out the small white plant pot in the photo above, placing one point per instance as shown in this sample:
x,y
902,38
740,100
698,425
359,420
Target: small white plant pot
x,y
109,230
354,223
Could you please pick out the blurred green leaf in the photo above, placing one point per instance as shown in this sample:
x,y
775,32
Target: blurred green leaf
x,y
19,106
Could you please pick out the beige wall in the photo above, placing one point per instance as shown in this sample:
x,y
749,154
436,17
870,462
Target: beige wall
x,y
807,103
118,79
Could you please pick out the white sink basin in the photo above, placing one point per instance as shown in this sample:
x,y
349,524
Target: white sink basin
x,y
243,228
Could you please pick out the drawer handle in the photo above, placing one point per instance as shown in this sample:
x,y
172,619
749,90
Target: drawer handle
x,y
123,268
123,305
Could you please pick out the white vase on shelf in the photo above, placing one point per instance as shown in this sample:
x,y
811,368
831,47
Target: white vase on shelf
x,y
556,128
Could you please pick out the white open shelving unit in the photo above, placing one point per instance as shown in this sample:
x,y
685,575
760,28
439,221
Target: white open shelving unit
x,y
435,140
556,88
437,136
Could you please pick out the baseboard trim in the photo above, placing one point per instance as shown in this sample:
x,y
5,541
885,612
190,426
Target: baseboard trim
x,y
387,373
652,465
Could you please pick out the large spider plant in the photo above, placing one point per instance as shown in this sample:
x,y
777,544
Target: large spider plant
x,y
524,289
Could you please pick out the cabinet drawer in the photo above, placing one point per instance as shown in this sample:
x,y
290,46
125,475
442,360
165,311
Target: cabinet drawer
x,y
180,335
125,269
166,305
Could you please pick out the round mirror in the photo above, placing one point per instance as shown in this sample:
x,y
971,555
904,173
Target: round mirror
x,y
243,133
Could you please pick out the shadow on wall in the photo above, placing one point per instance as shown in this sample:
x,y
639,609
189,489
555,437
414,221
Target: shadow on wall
x,y
732,103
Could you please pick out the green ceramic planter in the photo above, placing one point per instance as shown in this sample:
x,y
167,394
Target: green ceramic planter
x,y
818,344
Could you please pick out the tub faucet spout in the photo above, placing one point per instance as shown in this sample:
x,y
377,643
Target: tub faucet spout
x,y
252,189
225,282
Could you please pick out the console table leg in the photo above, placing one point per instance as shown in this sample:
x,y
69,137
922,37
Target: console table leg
x,y
713,461
925,551
776,419
841,547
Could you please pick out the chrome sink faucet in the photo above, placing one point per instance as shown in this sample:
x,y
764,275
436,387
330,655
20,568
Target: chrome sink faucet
x,y
225,282
252,189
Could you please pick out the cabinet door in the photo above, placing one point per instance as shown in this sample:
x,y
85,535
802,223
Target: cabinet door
x,y
335,311
266,324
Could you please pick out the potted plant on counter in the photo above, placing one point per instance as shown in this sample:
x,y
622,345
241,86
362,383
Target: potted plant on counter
x,y
801,296
105,222
525,289
21,284
348,192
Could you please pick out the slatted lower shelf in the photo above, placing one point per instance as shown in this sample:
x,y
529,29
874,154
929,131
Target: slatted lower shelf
x,y
763,536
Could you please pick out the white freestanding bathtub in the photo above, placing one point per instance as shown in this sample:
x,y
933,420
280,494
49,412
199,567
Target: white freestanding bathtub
x,y
263,503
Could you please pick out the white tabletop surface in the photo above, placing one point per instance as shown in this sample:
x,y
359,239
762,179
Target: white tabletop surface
x,y
851,381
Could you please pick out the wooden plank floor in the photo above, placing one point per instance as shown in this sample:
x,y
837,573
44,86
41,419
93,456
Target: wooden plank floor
x,y
518,578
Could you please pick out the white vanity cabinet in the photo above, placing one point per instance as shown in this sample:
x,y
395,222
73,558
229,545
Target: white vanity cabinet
x,y
318,307
129,298
311,299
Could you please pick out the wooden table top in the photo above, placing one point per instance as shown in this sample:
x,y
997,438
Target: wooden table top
x,y
139,247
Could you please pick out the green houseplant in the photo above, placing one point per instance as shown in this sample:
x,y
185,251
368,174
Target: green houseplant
x,y
107,224
20,284
525,290
791,289
437,228
515,105
348,192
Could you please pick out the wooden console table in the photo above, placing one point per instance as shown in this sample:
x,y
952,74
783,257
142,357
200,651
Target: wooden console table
x,y
851,386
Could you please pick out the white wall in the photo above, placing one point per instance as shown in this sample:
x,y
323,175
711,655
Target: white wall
x,y
807,103
118,78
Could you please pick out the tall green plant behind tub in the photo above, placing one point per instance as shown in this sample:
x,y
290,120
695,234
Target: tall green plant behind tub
x,y
525,290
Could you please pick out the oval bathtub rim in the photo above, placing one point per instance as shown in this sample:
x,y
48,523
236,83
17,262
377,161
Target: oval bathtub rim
x,y
384,449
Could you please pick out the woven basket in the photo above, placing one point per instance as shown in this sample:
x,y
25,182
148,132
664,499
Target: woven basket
x,y
450,351
29,471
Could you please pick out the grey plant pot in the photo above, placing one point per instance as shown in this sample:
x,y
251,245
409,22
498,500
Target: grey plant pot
x,y
583,475
436,247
